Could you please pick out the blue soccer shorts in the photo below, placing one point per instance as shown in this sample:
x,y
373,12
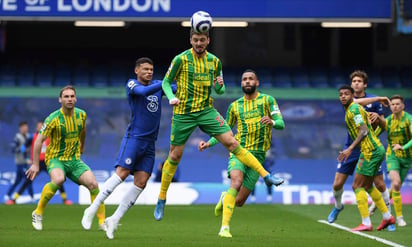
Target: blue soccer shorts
x,y
136,155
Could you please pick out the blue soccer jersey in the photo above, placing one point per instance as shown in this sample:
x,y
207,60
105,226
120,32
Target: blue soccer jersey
x,y
137,150
145,106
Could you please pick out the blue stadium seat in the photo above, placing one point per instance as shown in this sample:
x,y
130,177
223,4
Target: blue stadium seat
x,y
300,78
406,74
281,78
99,76
374,77
391,78
81,76
63,74
318,77
7,75
265,77
44,75
119,74
25,75
231,77
337,77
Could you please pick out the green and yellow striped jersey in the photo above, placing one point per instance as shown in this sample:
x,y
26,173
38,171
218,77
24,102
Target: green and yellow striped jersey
x,y
64,132
194,79
355,116
251,134
399,132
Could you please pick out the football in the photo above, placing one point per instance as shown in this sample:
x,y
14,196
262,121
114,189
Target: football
x,y
201,22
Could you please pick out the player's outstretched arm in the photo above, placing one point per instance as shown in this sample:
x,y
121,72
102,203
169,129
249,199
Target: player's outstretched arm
x,y
365,101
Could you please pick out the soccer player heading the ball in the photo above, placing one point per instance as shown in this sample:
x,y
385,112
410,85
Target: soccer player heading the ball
x,y
196,72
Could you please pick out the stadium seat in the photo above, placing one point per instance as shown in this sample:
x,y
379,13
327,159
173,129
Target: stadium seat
x,y
62,74
318,77
265,77
391,78
119,74
281,78
25,75
7,75
406,74
81,76
99,76
231,76
300,78
337,77
374,78
44,75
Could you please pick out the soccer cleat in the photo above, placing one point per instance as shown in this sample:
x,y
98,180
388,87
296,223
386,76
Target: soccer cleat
x,y
362,228
385,223
219,205
36,221
391,228
111,226
400,221
225,232
273,180
372,209
67,202
10,202
333,216
159,209
87,219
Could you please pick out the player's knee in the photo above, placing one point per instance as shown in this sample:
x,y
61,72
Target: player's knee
x,y
92,185
396,185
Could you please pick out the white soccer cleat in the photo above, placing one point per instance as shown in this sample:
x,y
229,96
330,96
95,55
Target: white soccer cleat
x,y
87,219
111,226
36,221
400,221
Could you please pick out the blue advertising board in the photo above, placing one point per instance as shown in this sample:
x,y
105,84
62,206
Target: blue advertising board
x,y
177,10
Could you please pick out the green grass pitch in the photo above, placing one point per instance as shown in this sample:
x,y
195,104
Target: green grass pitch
x,y
196,225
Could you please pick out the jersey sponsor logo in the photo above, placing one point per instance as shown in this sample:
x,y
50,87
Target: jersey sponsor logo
x,y
153,104
276,110
358,119
128,161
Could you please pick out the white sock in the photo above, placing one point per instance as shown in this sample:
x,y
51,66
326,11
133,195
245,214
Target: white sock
x,y
337,194
386,215
386,199
366,221
127,201
108,188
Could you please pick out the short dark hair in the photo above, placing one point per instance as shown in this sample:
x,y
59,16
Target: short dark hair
x,y
23,123
67,87
192,31
360,73
397,96
251,71
345,86
143,60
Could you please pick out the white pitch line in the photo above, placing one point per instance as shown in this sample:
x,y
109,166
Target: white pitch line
x,y
387,242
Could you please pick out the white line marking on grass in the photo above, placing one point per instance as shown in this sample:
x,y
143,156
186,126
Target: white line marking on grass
x,y
387,242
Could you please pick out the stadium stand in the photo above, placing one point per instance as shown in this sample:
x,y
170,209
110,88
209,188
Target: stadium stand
x,y
7,75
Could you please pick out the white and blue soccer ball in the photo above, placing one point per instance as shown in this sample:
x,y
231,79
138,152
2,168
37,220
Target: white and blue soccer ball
x,y
201,22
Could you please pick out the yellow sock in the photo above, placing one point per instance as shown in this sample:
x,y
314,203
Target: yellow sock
x,y
47,193
101,211
362,202
249,160
397,203
63,196
16,195
168,171
378,200
229,203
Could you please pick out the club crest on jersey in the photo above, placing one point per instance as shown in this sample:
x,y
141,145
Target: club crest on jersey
x,y
153,104
128,161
